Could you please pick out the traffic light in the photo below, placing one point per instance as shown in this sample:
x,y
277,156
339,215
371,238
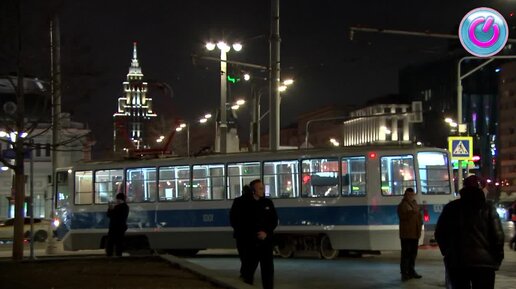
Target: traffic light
x,y
233,79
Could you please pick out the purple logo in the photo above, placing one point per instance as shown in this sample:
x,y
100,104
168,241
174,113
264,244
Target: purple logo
x,y
483,32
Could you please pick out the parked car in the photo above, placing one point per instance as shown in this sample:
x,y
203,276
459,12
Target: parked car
x,y
40,229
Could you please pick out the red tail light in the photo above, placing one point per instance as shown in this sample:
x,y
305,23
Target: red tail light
x,y
426,216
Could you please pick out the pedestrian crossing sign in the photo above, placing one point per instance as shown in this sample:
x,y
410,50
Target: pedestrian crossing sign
x,y
461,147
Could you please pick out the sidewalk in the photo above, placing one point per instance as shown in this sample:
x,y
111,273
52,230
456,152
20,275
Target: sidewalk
x,y
91,269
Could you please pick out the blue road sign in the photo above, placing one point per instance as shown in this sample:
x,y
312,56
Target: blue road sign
x,y
461,147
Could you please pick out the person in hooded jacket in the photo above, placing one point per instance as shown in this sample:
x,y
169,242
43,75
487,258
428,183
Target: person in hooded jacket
x,y
470,236
254,218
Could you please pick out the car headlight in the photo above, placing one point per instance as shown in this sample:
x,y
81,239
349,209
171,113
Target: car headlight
x,y
56,223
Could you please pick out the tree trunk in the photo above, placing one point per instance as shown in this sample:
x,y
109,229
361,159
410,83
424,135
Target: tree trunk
x,y
19,209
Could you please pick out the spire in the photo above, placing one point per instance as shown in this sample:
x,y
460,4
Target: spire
x,y
135,70
135,55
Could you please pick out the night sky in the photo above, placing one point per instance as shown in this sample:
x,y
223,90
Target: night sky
x,y
329,68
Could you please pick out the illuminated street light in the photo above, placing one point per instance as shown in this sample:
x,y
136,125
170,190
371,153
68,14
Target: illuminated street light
x,y
235,107
207,116
240,102
179,129
4,168
334,142
453,124
282,88
237,46
203,120
223,128
247,77
448,120
210,46
159,140
288,82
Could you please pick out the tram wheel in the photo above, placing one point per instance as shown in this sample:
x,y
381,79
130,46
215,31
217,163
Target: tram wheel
x,y
285,248
40,236
326,250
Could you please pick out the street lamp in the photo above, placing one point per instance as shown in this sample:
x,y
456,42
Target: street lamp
x,y
224,48
186,126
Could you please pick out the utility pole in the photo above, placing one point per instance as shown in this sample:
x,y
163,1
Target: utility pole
x,y
274,100
55,74
19,182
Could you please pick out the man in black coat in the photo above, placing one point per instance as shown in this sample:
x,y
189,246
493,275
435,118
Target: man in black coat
x,y
117,215
254,218
471,239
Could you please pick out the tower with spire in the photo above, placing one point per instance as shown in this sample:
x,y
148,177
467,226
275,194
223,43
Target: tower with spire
x,y
134,111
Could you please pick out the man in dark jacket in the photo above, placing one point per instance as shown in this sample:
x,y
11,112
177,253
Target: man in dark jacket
x,y
411,223
471,239
247,194
117,215
253,218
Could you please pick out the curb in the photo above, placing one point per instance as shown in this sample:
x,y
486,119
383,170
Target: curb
x,y
207,274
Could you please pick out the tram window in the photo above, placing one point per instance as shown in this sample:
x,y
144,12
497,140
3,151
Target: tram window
x,y
397,174
240,174
63,189
353,176
174,183
320,178
83,187
208,182
141,185
434,173
108,183
280,179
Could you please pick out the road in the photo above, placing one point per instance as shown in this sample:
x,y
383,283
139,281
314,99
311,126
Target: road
x,y
367,272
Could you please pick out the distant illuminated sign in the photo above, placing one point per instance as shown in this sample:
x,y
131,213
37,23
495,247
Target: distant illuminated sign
x,y
483,32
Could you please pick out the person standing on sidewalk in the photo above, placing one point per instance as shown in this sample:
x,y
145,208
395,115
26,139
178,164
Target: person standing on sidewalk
x,y
117,214
254,219
411,222
234,219
470,237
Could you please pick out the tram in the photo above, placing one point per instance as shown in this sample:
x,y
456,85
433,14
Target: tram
x,y
327,199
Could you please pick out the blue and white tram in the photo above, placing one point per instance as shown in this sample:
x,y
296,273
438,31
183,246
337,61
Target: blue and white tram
x,y
327,199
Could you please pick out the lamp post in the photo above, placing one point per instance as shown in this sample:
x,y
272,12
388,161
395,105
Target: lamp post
x,y
186,126
224,49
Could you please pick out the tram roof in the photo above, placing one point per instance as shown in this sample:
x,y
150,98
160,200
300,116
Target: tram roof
x,y
249,156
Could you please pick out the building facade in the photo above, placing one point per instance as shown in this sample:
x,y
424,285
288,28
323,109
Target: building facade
x,y
134,112
507,128
378,124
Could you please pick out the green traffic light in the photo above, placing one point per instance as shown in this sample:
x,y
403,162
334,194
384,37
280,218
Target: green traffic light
x,y
233,79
